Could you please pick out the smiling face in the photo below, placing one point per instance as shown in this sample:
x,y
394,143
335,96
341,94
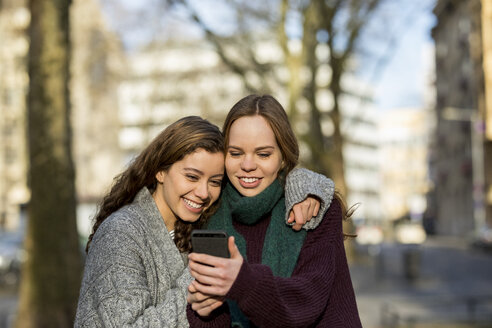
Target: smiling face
x,y
253,157
189,186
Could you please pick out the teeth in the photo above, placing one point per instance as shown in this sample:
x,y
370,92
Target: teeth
x,y
192,204
249,180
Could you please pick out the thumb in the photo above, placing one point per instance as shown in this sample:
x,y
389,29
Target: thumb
x,y
233,250
291,217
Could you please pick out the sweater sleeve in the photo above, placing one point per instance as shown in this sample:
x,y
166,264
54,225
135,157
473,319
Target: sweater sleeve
x,y
120,292
219,318
300,184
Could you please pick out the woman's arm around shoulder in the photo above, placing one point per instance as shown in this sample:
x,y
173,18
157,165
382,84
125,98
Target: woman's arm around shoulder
x,y
302,183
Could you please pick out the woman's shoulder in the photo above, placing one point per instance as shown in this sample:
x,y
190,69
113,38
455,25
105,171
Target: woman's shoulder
x,y
331,225
335,208
124,221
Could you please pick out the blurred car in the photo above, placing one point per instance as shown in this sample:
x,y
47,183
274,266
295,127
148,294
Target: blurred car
x,y
12,255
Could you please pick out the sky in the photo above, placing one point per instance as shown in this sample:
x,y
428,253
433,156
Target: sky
x,y
408,75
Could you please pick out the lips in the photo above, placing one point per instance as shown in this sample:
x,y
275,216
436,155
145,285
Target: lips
x,y
193,206
249,182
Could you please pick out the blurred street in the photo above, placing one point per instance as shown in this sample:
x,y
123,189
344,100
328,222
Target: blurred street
x,y
440,283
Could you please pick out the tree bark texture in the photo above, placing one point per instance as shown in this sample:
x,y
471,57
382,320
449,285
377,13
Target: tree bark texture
x,y
51,274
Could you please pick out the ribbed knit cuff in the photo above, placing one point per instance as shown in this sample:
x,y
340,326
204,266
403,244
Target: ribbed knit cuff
x,y
300,184
217,319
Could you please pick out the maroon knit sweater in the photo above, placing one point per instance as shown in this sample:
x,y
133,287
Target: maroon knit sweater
x,y
318,294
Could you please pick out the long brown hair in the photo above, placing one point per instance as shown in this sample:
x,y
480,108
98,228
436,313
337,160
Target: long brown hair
x,y
273,112
175,142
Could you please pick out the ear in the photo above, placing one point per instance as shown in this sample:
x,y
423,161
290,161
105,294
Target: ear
x,y
160,176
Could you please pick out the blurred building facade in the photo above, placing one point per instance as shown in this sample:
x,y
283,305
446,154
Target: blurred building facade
x,y
166,81
96,61
461,161
404,140
361,152
486,102
96,67
14,82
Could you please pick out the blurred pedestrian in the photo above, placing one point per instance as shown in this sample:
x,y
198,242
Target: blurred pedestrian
x,y
275,277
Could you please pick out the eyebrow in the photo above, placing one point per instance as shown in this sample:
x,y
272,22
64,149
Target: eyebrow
x,y
256,149
201,173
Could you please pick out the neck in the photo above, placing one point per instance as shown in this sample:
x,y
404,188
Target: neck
x,y
166,214
169,223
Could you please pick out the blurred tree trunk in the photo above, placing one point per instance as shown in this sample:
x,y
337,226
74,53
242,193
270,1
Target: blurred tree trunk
x,y
51,275
293,61
314,137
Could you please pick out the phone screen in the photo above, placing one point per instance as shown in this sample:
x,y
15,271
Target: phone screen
x,y
212,242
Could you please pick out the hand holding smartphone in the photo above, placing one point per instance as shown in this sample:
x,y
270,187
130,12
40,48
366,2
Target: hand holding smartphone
x,y
211,242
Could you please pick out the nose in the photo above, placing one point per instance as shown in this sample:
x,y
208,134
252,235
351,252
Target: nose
x,y
201,190
248,163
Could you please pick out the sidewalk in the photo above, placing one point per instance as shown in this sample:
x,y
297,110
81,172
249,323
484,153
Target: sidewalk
x,y
445,281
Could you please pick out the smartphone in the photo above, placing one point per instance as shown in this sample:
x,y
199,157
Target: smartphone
x,y
212,242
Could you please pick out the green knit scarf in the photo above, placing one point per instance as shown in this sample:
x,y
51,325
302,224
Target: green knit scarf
x,y
282,245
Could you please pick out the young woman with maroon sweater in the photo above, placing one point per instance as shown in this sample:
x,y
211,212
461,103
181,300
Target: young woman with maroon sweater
x,y
276,277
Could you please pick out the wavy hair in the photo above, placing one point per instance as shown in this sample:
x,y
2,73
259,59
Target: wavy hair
x,y
179,139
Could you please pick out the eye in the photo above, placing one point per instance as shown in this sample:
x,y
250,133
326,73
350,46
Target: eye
x,y
264,155
216,183
192,177
234,153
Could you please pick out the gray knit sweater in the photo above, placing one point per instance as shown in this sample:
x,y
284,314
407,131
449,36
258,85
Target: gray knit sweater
x,y
135,276
301,183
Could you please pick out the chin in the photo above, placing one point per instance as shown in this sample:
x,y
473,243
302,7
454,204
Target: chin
x,y
190,219
249,192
